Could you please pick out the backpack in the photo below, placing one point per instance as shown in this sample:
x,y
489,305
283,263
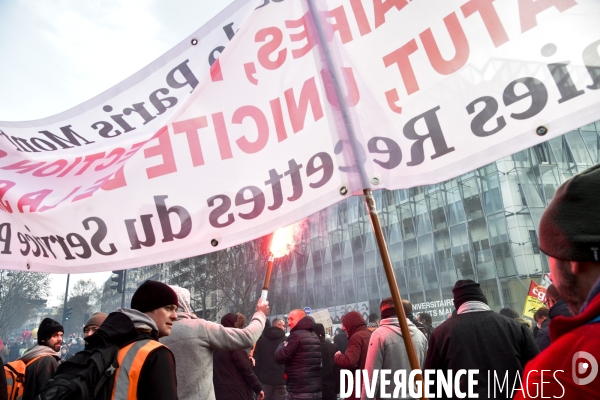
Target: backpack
x,y
84,376
14,372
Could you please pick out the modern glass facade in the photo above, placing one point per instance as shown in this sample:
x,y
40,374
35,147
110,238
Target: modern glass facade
x,y
481,225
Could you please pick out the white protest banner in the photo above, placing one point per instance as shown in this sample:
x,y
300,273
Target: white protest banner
x,y
149,172
444,87
322,317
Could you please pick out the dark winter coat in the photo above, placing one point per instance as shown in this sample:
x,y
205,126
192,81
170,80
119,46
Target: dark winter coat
x,y
13,354
543,337
268,371
425,330
233,377
341,341
3,388
157,377
37,375
301,354
330,373
356,354
483,340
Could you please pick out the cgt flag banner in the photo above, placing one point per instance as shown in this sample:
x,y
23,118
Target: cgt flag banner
x,y
535,299
275,110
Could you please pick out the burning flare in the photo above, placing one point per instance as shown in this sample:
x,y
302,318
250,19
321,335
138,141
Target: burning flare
x,y
281,244
284,239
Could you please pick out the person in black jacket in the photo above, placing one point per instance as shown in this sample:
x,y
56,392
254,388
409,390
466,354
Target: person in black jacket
x,y
151,316
330,373
233,377
341,341
408,310
13,351
39,372
426,320
269,372
479,338
301,354
542,319
3,387
557,307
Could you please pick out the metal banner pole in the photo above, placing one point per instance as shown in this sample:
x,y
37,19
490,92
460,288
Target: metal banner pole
x,y
124,288
65,302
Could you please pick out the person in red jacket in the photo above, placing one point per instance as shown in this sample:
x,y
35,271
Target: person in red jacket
x,y
570,236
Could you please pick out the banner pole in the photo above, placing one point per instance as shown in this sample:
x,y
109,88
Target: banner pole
x,y
124,288
65,302
375,223
392,283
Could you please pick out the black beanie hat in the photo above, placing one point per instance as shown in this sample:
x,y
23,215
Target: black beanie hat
x,y
48,327
467,290
570,226
320,330
152,295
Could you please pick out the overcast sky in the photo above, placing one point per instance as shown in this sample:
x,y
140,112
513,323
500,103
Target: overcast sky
x,y
59,53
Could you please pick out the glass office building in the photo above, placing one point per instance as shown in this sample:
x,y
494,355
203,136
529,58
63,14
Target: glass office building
x,y
481,225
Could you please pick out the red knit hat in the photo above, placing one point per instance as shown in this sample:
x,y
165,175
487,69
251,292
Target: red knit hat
x,y
570,226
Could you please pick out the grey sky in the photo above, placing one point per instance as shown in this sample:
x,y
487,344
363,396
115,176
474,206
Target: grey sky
x,y
57,54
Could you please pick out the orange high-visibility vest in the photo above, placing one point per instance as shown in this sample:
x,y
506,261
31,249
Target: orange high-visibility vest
x,y
131,359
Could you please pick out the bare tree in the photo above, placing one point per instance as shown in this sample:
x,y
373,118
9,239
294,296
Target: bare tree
x,y
198,275
84,299
88,288
240,273
21,293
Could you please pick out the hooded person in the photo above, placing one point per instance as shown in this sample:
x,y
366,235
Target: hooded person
x,y
93,323
569,234
479,338
194,339
301,354
359,335
387,350
39,372
146,367
268,371
233,377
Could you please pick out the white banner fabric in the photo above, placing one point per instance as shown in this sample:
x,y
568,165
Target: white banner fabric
x,y
308,103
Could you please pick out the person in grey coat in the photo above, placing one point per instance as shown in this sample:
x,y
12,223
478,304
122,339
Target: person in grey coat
x,y
387,349
193,340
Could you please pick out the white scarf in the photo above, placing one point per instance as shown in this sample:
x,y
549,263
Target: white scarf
x,y
473,306
38,350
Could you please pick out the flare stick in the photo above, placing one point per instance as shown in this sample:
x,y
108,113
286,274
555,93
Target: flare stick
x,y
265,289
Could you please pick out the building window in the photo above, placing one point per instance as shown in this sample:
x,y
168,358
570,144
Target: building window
x,y
523,199
534,242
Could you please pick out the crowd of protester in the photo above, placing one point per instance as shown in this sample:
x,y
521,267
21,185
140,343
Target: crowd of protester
x,y
166,352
